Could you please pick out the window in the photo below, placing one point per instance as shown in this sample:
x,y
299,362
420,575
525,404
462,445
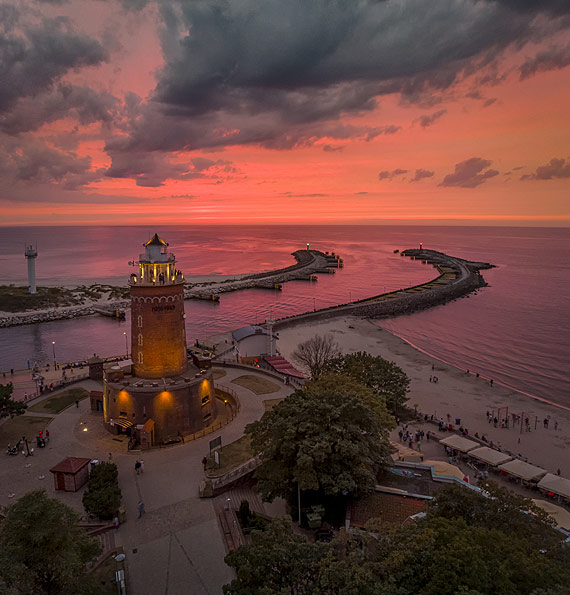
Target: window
x,y
140,340
207,416
205,399
140,357
139,321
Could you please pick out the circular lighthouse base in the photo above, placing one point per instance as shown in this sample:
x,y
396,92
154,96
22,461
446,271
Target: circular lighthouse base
x,y
159,411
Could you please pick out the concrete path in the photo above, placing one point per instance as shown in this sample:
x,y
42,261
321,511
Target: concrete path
x,y
176,548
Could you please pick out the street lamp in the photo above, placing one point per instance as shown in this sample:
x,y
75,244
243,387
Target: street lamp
x,y
53,349
126,344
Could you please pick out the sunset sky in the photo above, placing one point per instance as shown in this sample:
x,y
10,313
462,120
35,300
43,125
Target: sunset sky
x,y
284,111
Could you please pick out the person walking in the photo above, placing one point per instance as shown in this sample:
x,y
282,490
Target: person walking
x,y
110,458
142,465
140,508
138,467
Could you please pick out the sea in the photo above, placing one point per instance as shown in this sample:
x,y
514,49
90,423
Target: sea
x,y
516,330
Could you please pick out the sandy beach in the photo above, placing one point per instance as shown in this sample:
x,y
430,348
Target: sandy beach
x,y
456,393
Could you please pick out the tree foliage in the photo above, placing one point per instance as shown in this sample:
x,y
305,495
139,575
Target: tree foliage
x,y
385,378
331,436
103,495
314,353
461,547
43,550
9,407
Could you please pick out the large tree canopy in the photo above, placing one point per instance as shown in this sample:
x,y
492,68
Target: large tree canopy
x,y
457,549
9,407
43,551
331,436
385,378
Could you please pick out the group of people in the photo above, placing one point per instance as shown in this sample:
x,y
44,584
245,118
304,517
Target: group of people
x,y
139,467
434,379
410,437
42,439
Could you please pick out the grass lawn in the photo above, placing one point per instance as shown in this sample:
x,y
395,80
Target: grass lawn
x,y
58,403
218,374
23,425
270,403
258,385
231,456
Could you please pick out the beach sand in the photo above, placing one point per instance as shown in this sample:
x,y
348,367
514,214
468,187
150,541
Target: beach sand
x,y
458,394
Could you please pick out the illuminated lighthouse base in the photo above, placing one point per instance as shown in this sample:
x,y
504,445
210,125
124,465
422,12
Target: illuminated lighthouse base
x,y
158,411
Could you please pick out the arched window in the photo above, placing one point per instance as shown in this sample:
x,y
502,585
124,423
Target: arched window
x,y
140,338
140,357
139,321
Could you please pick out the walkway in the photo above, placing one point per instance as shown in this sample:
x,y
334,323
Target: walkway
x,y
177,547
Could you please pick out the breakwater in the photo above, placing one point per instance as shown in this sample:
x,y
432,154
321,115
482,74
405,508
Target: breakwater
x,y
308,263
457,277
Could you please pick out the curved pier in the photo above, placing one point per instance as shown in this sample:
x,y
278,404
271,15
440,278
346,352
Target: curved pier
x,y
457,277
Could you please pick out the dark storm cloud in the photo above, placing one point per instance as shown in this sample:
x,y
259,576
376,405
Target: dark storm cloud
x,y
32,160
152,169
421,174
33,56
555,168
389,175
429,119
272,72
470,173
554,58
81,103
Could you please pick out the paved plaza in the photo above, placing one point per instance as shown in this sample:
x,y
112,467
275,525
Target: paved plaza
x,y
176,548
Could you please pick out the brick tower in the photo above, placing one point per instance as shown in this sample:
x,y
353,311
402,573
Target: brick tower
x,y
158,334
163,395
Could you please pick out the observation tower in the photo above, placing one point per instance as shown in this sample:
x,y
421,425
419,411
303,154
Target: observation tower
x,y
160,395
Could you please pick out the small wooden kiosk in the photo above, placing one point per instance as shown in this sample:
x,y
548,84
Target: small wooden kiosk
x,y
71,474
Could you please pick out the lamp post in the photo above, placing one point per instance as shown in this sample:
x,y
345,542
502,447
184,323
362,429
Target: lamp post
x,y
126,344
53,349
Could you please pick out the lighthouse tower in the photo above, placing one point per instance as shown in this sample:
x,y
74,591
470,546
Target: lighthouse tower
x,y
158,334
162,395
31,255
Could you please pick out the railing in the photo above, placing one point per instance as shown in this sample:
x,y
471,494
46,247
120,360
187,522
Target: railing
x,y
235,474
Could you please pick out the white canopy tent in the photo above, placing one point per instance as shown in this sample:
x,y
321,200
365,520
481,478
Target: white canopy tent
x,y
459,443
560,515
555,484
443,468
490,456
523,470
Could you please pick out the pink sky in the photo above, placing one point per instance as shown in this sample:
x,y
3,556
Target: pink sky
x,y
173,112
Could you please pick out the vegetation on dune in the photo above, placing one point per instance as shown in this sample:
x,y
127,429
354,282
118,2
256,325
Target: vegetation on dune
x,y
17,299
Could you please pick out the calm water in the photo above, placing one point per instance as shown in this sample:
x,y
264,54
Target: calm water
x,y
516,331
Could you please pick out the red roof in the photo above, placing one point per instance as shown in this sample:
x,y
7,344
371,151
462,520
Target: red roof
x,y
70,465
282,365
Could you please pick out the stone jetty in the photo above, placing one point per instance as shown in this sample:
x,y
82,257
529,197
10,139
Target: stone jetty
x,y
308,262
456,278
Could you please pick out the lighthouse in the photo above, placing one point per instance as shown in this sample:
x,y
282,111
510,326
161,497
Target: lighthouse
x,y
160,395
31,255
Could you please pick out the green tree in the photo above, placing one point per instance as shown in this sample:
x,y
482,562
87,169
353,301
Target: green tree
x,y
103,495
325,437
385,378
43,550
9,407
314,353
278,562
